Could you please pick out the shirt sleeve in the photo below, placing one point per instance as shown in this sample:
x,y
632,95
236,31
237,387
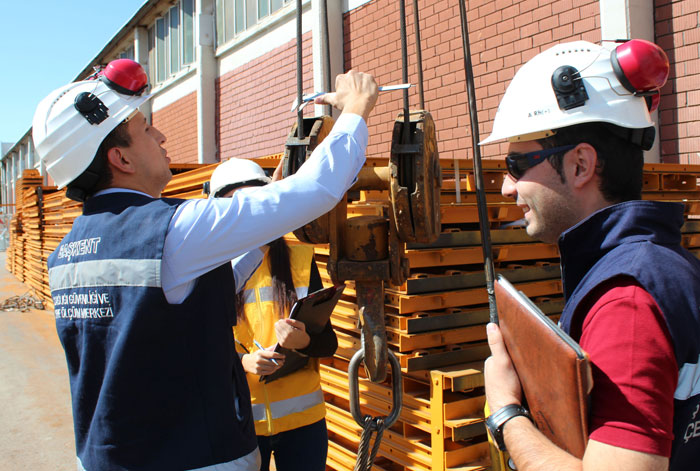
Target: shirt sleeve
x,y
245,265
634,369
205,234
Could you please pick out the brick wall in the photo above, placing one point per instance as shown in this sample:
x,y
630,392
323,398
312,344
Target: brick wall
x,y
678,32
503,35
178,121
253,113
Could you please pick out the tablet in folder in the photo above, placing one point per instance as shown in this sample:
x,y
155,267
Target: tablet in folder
x,y
554,371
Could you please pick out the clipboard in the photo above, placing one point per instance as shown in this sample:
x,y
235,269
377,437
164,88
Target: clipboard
x,y
554,371
314,311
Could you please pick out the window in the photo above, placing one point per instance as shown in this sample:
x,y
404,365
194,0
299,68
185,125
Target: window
x,y
171,41
128,53
233,17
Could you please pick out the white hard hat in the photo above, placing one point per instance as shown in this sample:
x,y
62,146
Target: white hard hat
x,y
581,82
235,173
71,122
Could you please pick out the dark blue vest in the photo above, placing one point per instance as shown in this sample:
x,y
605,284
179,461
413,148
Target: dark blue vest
x,y
641,239
155,386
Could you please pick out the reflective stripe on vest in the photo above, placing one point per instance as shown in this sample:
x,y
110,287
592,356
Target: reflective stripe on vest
x,y
688,381
109,272
286,407
266,294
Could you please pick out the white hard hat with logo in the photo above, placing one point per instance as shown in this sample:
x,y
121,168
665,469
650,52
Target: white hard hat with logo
x,y
235,173
71,122
581,82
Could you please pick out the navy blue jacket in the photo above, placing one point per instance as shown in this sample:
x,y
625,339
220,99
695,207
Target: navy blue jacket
x,y
641,239
154,386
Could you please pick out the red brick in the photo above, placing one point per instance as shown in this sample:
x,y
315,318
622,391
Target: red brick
x,y
583,25
687,83
693,98
562,33
684,22
692,36
524,18
689,114
690,6
548,23
542,12
542,38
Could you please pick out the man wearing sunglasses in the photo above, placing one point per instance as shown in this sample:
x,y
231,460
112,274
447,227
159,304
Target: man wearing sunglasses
x,y
576,118
142,285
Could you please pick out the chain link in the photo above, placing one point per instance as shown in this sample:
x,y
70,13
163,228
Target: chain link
x,y
21,303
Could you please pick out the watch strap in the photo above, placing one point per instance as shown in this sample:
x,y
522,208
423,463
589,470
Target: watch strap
x,y
496,421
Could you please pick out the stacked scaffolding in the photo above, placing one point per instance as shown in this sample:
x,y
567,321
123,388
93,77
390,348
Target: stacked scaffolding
x,y
435,320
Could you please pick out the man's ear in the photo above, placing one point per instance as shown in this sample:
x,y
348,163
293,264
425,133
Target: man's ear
x,y
584,160
119,160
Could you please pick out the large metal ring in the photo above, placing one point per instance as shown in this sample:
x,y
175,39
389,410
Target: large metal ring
x,y
354,387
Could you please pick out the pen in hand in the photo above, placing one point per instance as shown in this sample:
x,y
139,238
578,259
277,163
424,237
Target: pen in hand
x,y
257,344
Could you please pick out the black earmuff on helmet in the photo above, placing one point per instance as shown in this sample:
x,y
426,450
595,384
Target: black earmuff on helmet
x,y
91,107
642,68
568,87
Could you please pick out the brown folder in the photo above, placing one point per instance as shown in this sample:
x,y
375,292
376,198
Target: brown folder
x,y
554,371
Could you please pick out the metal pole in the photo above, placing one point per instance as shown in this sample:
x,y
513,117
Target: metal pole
x,y
404,72
326,51
478,174
419,55
300,82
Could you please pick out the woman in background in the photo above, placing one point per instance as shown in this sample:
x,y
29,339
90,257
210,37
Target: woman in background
x,y
290,411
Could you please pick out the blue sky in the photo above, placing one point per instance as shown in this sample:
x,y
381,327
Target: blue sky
x,y
45,44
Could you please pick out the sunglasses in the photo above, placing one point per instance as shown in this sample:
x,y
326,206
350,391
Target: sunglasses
x,y
518,164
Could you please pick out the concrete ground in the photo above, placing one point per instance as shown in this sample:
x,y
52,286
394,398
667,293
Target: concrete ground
x,y
36,424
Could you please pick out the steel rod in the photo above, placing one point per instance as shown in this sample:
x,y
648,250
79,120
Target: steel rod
x,y
478,174
300,81
326,51
419,55
404,72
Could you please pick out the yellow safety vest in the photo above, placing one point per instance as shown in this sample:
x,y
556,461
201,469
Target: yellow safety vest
x,y
294,400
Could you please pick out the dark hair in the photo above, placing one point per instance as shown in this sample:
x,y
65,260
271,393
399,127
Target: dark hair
x,y
620,163
283,290
98,175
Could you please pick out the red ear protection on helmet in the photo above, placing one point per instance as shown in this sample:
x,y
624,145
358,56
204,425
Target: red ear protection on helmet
x,y
642,68
125,76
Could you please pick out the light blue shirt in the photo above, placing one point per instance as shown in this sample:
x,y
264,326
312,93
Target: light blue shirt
x,y
205,233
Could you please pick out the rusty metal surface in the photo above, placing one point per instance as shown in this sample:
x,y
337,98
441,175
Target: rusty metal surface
x,y
370,302
366,238
415,179
295,154
372,178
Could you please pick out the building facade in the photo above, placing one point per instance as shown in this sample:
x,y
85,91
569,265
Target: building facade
x,y
224,72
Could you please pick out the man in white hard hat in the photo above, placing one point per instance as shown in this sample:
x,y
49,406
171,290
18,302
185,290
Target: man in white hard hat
x,y
142,286
577,121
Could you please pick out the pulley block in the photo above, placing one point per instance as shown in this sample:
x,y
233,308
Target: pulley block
x,y
415,178
295,154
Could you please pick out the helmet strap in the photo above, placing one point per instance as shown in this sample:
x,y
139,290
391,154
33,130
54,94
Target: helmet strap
x,y
642,137
82,187
233,186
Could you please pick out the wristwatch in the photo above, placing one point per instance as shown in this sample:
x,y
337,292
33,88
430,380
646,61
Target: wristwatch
x,y
496,421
